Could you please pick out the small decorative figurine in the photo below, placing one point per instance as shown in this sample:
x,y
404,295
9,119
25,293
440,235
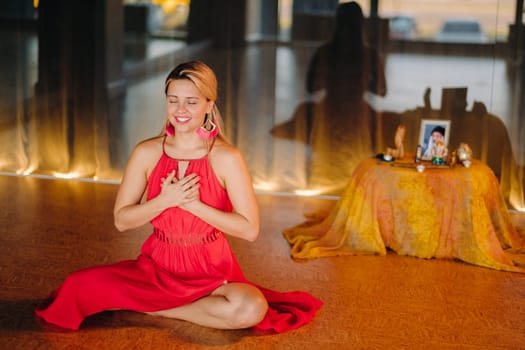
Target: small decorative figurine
x,y
399,142
439,153
453,159
464,154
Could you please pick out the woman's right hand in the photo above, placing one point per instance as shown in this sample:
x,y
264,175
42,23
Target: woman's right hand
x,y
176,192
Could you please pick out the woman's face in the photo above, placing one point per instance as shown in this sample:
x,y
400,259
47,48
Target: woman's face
x,y
186,106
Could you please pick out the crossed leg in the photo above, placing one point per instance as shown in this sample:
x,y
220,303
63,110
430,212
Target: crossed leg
x,y
231,306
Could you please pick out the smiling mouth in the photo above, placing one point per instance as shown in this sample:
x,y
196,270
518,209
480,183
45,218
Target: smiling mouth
x,y
182,119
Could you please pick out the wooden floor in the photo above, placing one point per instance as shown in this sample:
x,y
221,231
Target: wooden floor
x,y
49,228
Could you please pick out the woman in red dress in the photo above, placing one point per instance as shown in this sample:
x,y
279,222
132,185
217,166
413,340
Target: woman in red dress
x,y
198,189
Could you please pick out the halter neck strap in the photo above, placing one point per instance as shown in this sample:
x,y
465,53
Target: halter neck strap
x,y
210,147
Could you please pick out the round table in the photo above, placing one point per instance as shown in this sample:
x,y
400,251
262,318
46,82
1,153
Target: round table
x,y
442,212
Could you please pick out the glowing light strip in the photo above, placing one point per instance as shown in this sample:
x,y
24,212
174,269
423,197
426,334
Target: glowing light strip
x,y
51,177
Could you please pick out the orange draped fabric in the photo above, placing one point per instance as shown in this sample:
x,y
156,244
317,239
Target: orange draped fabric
x,y
439,213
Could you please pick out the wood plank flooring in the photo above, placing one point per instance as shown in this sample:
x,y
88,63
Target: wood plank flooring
x,y
48,228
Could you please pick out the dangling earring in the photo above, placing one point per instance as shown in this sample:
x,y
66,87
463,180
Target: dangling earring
x,y
208,130
170,129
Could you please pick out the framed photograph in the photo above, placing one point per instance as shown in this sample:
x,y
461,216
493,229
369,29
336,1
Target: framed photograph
x,y
432,131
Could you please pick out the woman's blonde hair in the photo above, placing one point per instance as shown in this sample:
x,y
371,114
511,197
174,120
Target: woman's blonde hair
x,y
204,79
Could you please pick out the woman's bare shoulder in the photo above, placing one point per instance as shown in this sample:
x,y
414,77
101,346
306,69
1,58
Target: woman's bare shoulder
x,y
223,151
147,152
226,160
153,144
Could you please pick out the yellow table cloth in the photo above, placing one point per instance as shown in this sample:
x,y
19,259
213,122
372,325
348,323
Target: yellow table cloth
x,y
439,213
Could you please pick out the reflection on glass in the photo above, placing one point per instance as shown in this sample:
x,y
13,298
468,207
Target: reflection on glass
x,y
450,20
164,18
454,45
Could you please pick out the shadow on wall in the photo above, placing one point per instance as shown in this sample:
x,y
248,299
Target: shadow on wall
x,y
338,127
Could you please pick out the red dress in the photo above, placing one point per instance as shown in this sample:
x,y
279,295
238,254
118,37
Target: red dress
x,y
184,259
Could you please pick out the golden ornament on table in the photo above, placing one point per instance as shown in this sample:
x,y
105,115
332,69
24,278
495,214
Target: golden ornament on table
x,y
399,142
464,154
452,159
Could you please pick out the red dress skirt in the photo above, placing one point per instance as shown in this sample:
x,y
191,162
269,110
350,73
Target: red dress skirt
x,y
184,259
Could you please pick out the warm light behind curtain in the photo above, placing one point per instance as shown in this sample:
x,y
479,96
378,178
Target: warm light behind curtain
x,y
295,140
